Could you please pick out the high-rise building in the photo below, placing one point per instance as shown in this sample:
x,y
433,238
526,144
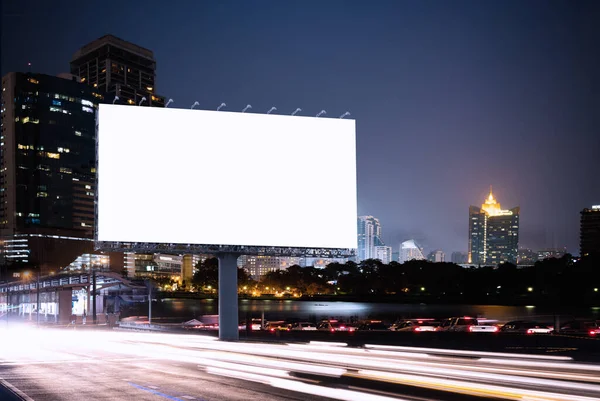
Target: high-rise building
x,y
48,167
436,256
118,68
590,231
493,233
369,237
551,253
383,253
526,257
409,250
459,258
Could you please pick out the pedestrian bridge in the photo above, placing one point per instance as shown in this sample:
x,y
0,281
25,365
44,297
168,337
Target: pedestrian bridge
x,y
58,297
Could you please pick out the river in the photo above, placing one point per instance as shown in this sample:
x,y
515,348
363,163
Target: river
x,y
179,310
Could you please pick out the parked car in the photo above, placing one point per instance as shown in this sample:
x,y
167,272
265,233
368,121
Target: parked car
x,y
467,324
417,325
303,326
373,325
526,327
581,327
334,325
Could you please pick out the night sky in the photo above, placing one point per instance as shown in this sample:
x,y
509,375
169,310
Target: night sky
x,y
449,97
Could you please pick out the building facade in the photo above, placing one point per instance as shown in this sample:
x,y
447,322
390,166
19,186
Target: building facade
x,y
369,237
49,170
590,231
459,258
493,233
409,250
119,68
383,253
436,256
258,266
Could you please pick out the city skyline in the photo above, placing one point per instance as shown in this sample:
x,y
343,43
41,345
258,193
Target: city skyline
x,y
516,108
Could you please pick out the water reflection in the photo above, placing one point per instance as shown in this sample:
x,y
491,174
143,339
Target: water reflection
x,y
185,309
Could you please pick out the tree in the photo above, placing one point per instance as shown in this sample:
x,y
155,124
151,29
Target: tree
x,y
207,273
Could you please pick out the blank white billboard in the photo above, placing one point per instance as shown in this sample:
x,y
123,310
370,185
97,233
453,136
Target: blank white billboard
x,y
207,177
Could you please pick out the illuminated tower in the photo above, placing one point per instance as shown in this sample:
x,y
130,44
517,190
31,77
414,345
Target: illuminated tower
x,y
493,233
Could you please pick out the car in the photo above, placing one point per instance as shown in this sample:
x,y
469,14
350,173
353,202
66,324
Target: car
x,y
257,325
373,325
468,324
278,325
526,327
581,327
417,325
334,325
303,326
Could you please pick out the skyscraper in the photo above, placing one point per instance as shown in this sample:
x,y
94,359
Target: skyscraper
x,y
493,233
590,231
459,258
409,250
116,67
369,237
48,163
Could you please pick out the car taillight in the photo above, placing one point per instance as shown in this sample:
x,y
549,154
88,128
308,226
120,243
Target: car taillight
x,y
470,328
351,329
271,330
417,329
594,332
495,329
333,330
529,331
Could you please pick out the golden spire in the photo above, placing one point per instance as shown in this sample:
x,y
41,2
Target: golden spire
x,y
490,205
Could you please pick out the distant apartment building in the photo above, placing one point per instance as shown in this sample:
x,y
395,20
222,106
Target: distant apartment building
x,y
526,256
589,234
319,263
48,160
436,256
460,258
493,233
258,266
383,253
409,250
369,237
551,253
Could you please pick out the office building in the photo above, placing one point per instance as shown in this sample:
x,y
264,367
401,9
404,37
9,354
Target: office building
x,y
383,253
116,67
369,237
590,231
436,256
460,258
493,233
409,250
49,166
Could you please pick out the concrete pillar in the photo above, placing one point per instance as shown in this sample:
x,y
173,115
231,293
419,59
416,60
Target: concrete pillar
x,y
65,299
228,297
187,270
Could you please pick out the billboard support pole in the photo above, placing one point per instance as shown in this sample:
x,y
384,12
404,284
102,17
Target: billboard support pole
x,y
228,297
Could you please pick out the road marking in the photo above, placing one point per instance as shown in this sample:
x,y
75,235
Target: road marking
x,y
150,390
15,390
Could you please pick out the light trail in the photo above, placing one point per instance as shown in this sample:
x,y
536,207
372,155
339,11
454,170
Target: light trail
x,y
312,368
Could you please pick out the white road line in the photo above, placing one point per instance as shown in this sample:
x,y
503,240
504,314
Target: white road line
x,y
15,390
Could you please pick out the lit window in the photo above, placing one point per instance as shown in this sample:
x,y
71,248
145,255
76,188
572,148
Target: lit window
x,y
66,170
33,81
149,88
88,109
87,103
77,133
52,155
88,187
93,169
83,79
95,85
42,194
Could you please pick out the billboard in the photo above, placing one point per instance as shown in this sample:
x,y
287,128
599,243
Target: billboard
x,y
180,176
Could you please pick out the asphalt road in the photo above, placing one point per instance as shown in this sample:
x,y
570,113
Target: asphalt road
x,y
62,364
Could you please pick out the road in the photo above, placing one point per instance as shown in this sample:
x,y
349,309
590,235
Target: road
x,y
62,364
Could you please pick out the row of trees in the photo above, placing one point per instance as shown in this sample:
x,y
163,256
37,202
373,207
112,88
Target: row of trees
x,y
550,281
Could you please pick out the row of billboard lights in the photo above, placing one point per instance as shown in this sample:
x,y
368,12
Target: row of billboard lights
x,y
272,109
